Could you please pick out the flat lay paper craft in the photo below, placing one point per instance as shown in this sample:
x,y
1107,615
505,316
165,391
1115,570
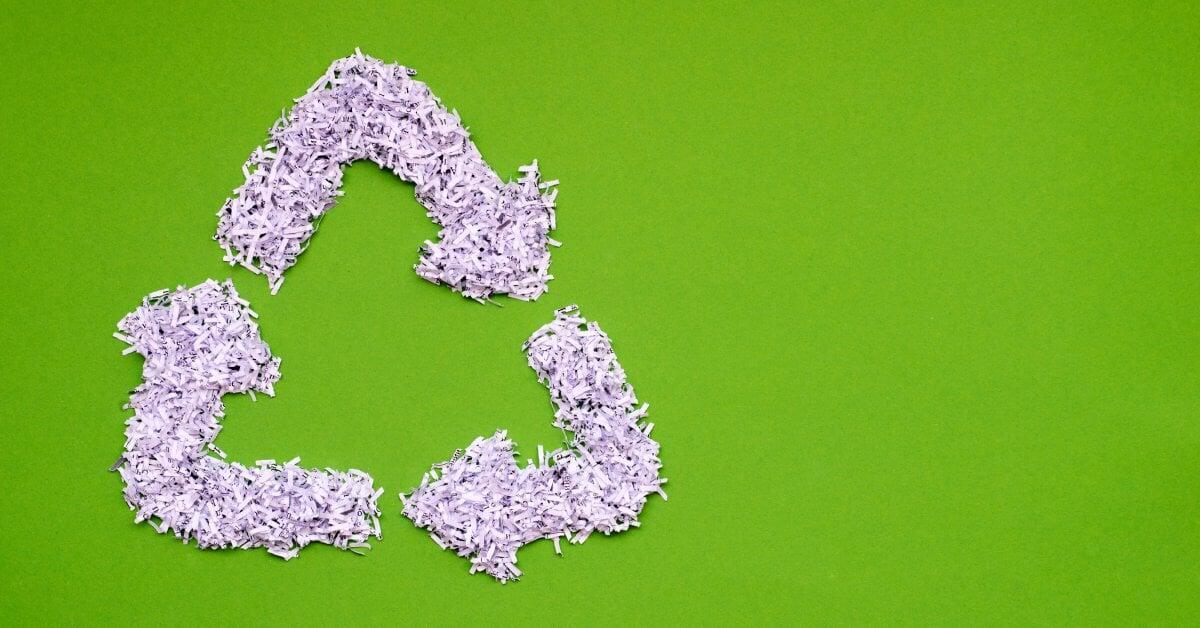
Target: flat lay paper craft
x,y
201,343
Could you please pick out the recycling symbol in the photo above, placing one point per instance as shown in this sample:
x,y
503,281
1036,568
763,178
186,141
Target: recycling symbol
x,y
202,342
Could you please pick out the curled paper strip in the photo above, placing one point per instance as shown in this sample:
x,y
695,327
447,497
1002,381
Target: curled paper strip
x,y
494,236
482,505
199,344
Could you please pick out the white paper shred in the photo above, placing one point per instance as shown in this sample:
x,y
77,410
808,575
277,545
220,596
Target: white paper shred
x,y
494,237
199,344
484,506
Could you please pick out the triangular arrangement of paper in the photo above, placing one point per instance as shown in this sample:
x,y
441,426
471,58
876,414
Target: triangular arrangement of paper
x,y
202,343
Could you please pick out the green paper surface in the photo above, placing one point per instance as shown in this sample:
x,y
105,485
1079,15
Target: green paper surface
x,y
912,290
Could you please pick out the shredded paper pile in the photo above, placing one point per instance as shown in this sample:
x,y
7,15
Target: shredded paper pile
x,y
200,344
486,507
494,236
203,342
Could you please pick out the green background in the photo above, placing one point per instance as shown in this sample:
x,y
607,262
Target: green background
x,y
912,290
